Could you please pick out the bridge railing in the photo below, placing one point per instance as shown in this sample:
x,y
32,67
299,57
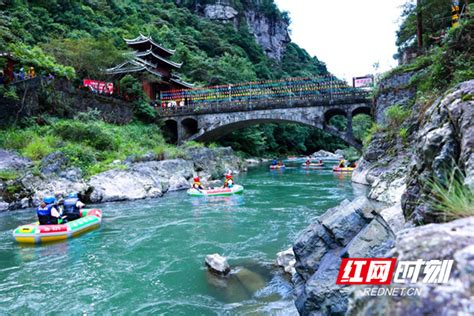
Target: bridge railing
x,y
262,95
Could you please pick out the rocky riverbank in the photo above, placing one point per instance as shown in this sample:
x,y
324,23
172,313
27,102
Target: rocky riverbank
x,y
440,137
135,178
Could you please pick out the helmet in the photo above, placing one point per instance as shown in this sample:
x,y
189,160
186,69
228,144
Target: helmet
x,y
49,199
228,176
72,195
196,179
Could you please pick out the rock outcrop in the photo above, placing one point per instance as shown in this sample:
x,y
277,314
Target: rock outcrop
x,y
270,31
217,264
439,137
328,155
136,178
272,34
140,181
454,240
393,90
216,162
221,12
286,260
385,162
352,229
12,161
445,141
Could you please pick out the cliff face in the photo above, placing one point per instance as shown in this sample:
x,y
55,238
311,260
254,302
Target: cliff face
x,y
271,34
440,136
270,31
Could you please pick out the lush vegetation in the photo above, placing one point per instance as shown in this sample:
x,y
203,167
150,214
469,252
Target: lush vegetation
x,y
445,57
450,198
78,39
87,142
76,33
446,54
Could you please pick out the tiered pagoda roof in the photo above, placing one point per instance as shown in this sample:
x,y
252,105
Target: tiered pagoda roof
x,y
142,43
150,57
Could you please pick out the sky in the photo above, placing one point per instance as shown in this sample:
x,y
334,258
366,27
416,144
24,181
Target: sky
x,y
348,35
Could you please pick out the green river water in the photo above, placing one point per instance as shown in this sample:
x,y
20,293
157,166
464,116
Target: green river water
x,y
148,256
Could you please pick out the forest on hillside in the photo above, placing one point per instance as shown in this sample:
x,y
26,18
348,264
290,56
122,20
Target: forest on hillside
x,y
65,38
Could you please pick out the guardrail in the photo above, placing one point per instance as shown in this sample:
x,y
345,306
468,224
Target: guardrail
x,y
188,107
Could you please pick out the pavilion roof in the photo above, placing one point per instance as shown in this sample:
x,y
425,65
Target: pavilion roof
x,y
154,58
182,83
140,65
142,43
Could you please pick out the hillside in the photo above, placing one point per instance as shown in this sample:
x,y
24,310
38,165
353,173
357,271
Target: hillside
x,y
212,52
217,41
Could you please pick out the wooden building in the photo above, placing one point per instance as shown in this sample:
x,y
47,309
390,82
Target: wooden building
x,y
152,65
8,67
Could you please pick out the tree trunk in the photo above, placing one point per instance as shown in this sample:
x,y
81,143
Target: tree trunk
x,y
419,25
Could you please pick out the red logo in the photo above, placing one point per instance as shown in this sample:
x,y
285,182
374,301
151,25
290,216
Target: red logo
x,y
45,229
377,271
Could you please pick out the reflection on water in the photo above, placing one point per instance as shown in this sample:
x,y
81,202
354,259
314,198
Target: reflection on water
x,y
148,256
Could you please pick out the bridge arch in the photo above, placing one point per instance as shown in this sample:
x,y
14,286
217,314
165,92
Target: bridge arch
x,y
329,114
225,129
189,127
170,131
367,110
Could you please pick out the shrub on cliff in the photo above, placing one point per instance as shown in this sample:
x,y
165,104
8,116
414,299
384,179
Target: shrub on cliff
x,y
396,115
451,199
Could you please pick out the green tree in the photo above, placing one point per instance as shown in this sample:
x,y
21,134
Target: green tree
x,y
88,55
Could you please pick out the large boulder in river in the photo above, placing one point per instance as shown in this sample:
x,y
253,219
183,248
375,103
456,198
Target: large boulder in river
x,y
3,206
327,155
454,240
41,186
215,161
217,264
286,260
352,229
141,180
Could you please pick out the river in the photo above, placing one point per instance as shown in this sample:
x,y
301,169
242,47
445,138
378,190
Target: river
x,y
148,256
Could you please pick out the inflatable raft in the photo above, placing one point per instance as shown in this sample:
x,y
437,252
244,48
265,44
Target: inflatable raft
x,y
277,166
236,189
34,233
313,165
346,169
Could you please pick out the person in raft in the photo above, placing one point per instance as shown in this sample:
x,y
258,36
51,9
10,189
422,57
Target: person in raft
x,y
274,162
197,184
72,207
308,162
229,181
342,163
47,211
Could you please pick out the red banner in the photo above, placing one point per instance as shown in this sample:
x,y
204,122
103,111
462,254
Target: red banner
x,y
363,82
101,87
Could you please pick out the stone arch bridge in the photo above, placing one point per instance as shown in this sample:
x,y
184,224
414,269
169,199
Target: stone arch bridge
x,y
210,121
